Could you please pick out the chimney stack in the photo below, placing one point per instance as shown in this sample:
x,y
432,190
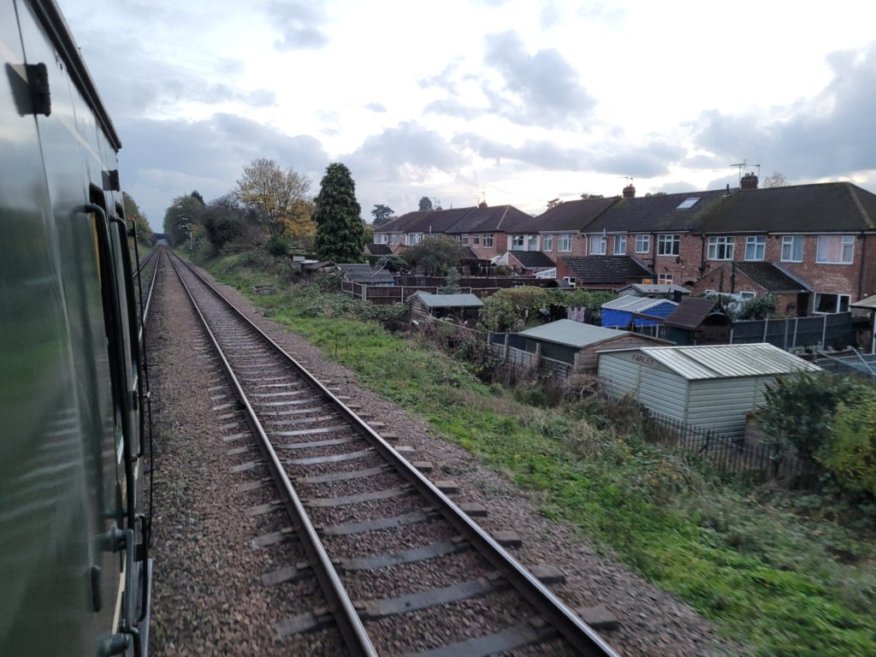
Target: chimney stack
x,y
630,191
748,181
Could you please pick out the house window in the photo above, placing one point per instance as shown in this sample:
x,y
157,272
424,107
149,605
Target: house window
x,y
414,238
792,248
382,238
548,242
597,244
463,238
831,303
564,242
643,243
668,245
721,248
620,244
664,279
488,240
395,239
835,249
476,239
517,242
755,247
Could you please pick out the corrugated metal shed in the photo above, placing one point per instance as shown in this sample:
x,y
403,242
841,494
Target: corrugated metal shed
x,y
571,334
449,300
730,360
868,303
640,311
709,387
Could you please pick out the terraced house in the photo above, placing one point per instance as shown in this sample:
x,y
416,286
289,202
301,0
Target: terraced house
x,y
481,228
811,246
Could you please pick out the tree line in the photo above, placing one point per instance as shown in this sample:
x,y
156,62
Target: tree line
x,y
271,206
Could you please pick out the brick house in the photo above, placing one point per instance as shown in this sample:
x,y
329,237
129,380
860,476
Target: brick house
x,y
822,237
482,228
557,232
657,230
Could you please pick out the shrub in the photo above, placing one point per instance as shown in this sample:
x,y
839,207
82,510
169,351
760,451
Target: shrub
x,y
278,246
798,409
851,455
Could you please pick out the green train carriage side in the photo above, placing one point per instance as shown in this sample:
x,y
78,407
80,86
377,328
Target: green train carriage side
x,y
74,570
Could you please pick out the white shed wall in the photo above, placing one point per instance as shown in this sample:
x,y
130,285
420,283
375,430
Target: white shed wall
x,y
654,386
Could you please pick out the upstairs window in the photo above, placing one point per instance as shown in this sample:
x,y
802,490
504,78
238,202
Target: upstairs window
x,y
597,245
792,248
835,249
721,248
488,239
564,242
688,203
620,245
518,242
755,247
668,245
548,242
463,238
643,243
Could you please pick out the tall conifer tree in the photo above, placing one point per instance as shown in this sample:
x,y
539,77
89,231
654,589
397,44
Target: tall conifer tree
x,y
340,233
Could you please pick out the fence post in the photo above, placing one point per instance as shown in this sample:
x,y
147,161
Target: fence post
x,y
505,349
796,321
823,332
785,340
766,322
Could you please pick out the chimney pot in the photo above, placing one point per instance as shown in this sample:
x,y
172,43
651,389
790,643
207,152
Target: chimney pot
x,y
629,191
748,181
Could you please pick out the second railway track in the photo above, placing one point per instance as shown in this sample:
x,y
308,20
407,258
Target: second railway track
x,y
401,569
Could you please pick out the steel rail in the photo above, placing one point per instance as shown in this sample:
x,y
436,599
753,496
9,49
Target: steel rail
x,y
574,630
348,622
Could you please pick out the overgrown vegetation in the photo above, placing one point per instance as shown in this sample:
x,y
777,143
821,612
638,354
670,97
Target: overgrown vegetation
x,y
777,572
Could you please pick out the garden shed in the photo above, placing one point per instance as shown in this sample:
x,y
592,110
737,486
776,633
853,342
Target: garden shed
x,y
710,387
630,311
575,343
459,306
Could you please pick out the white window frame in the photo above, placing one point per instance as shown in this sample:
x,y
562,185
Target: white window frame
x,y
757,244
488,239
564,242
518,242
620,245
598,244
791,243
839,306
846,248
669,244
721,247
414,238
643,243
548,242
664,279
463,239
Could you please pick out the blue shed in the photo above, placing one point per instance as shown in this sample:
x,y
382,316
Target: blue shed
x,y
627,311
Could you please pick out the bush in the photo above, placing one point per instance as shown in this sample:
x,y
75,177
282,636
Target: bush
x,y
278,246
798,410
851,455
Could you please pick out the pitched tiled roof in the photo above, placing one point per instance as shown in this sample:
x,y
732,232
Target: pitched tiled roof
x,y
658,213
363,273
690,312
606,269
570,215
458,220
378,249
772,277
826,207
532,259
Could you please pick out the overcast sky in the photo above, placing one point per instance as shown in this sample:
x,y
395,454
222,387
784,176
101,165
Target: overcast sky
x,y
513,101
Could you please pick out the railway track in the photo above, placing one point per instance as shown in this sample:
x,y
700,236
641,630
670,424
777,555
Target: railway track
x,y
382,561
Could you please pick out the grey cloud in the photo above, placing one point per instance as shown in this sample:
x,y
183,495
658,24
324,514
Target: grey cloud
x,y
376,107
675,188
645,161
408,146
299,23
830,134
538,89
162,158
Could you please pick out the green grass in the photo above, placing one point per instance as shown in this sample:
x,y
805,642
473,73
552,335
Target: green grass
x,y
768,578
